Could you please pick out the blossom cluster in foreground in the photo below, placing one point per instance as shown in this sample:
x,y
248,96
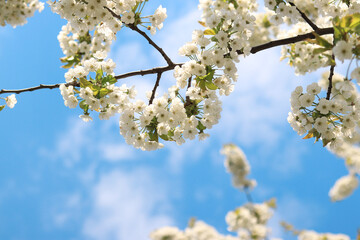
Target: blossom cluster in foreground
x,y
249,221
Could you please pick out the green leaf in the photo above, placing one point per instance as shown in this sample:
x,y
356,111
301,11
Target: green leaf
x,y
108,79
153,136
103,92
2,107
209,32
210,74
319,50
84,106
68,65
63,59
202,85
338,34
95,89
325,142
85,83
200,126
192,222
345,25
271,203
322,41
164,137
211,86
99,75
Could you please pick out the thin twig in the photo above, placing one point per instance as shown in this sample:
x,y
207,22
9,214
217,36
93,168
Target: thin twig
x,y
142,33
332,67
303,15
41,86
248,195
188,101
158,77
152,43
148,71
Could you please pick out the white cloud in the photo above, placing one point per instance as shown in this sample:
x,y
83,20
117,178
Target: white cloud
x,y
288,160
129,57
127,205
70,143
257,109
178,32
82,139
115,152
70,203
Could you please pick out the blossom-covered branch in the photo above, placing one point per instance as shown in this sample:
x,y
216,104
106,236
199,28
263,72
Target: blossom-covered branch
x,y
268,45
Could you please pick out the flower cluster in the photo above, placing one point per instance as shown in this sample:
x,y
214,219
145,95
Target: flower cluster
x,y
343,187
333,121
322,118
170,117
312,235
250,220
15,12
232,28
237,164
197,230
10,101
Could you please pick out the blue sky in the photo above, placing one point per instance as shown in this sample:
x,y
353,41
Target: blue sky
x,y
61,178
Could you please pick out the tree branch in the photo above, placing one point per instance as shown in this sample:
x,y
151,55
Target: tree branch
x,y
285,41
271,44
151,42
41,86
158,77
332,67
303,15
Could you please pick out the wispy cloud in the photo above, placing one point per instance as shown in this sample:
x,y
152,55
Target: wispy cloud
x,y
127,205
256,111
82,139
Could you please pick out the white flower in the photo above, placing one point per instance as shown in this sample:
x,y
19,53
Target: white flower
x,y
313,88
11,101
128,17
343,187
100,54
355,74
71,101
86,118
343,50
307,99
323,106
166,233
321,124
